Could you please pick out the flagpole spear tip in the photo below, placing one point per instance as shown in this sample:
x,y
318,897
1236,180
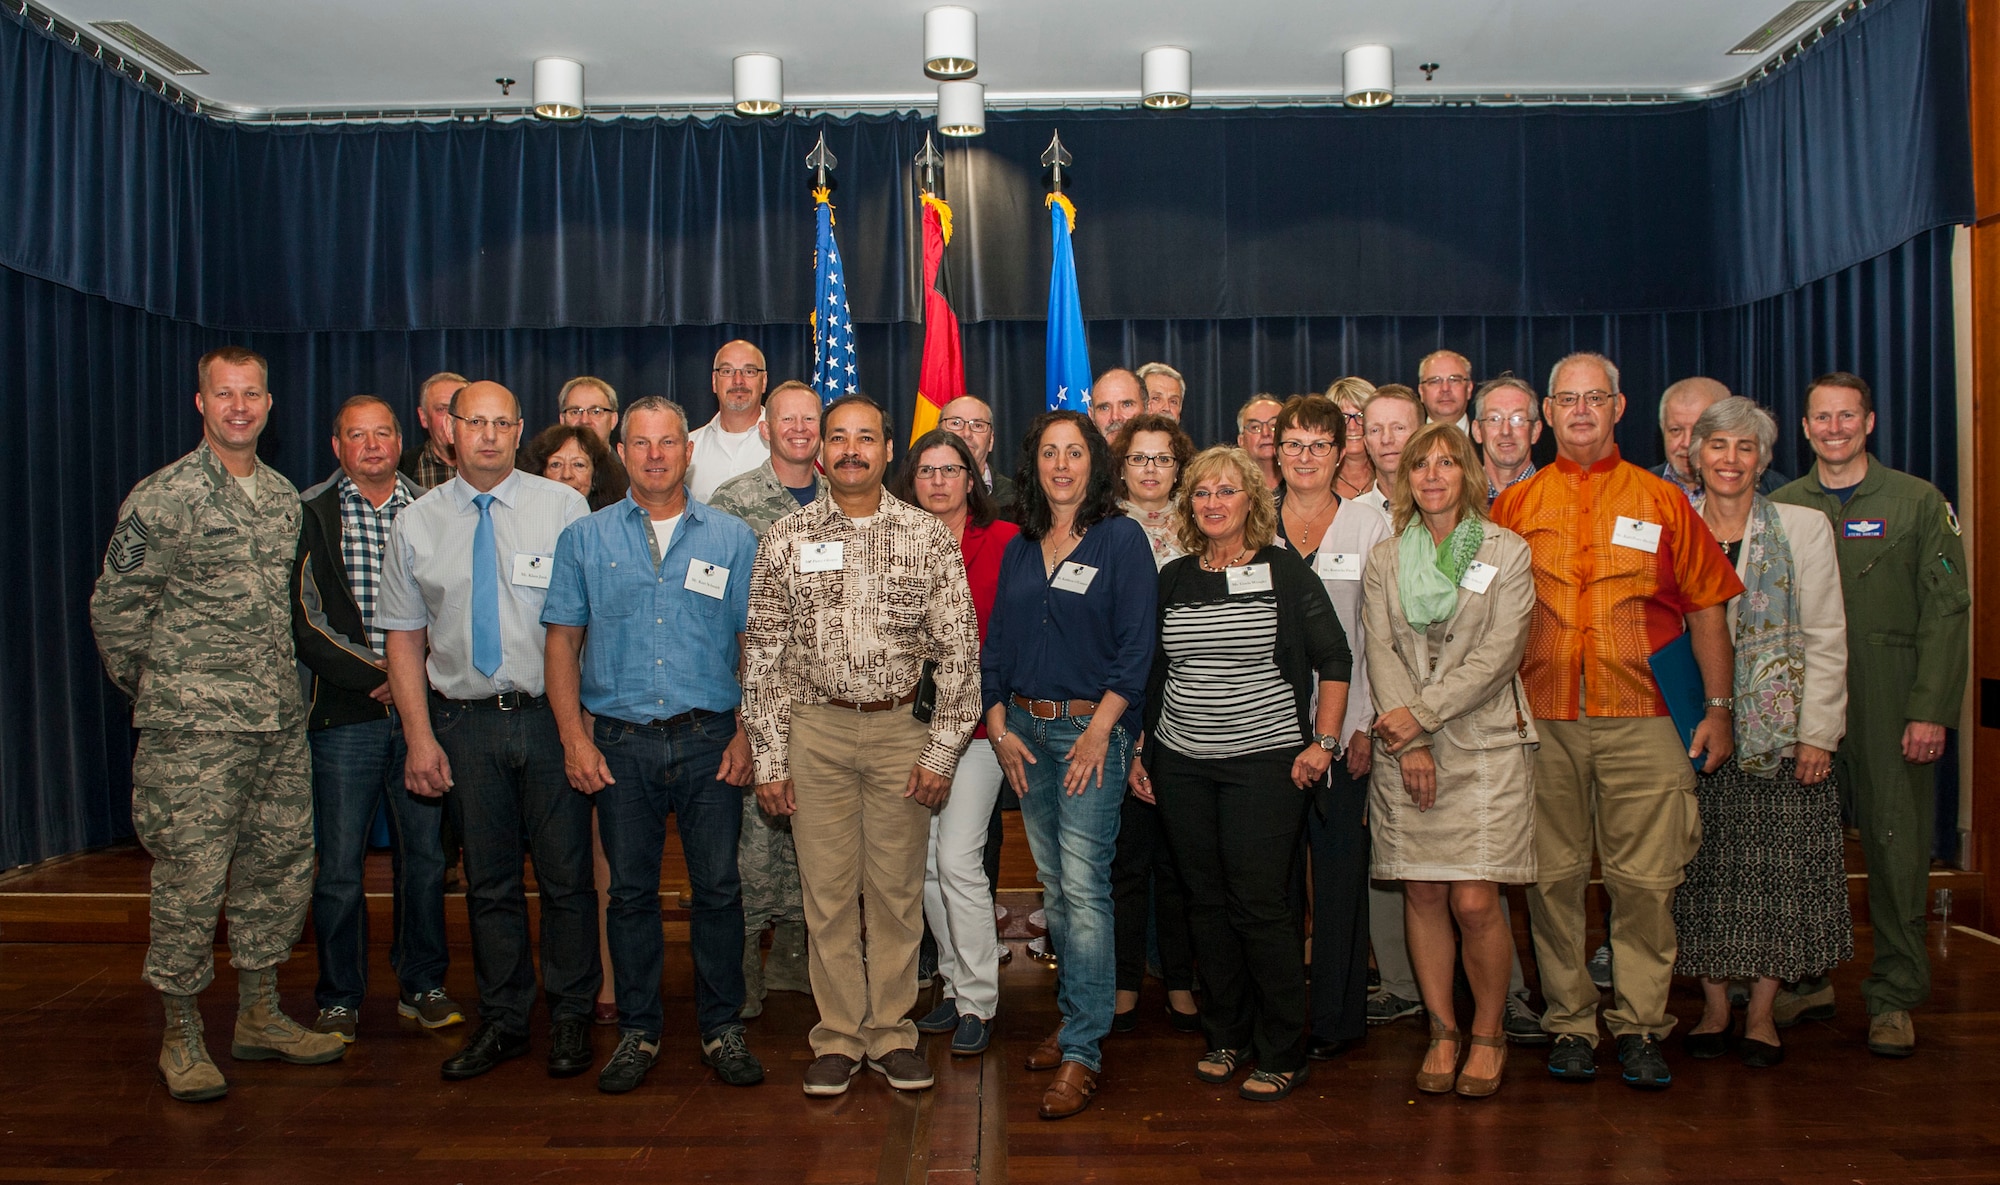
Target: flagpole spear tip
x,y
1054,158
930,160
821,162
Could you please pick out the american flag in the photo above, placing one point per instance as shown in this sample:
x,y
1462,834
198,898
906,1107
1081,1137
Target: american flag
x,y
834,371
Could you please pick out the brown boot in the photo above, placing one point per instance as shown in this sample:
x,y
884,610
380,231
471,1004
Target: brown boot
x,y
1047,1055
263,1030
1071,1092
185,1066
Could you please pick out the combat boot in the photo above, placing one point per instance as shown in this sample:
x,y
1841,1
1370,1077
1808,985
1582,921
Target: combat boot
x,y
753,975
786,971
263,1030
185,1066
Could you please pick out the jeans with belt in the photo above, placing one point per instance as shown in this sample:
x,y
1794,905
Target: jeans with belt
x,y
656,772
1073,838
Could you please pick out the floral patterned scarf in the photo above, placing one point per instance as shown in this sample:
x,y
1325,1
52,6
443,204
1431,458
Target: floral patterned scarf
x,y
1770,646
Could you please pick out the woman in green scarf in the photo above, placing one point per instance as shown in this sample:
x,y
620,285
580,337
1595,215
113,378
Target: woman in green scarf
x,y
1451,800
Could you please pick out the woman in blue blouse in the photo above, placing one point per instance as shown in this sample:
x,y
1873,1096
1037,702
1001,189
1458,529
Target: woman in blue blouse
x,y
1064,671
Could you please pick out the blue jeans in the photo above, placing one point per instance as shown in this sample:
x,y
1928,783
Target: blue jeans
x,y
1073,838
357,768
509,795
656,772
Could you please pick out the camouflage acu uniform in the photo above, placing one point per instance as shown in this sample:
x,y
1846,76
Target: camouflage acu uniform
x,y
764,853
193,618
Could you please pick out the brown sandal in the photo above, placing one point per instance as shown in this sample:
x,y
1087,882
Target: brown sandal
x,y
1431,1083
1479,1088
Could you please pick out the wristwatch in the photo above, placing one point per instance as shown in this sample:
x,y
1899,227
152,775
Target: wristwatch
x,y
1723,702
1329,741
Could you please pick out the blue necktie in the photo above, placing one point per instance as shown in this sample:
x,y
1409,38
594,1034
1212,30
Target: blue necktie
x,y
485,591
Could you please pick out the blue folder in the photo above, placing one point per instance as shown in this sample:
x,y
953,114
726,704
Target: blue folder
x,y
1679,678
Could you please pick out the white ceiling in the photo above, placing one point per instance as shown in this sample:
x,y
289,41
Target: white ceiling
x,y
292,54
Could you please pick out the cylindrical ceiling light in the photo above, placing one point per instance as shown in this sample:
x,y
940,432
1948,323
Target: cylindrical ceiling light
x,y
951,42
962,108
558,88
1368,76
1166,77
760,84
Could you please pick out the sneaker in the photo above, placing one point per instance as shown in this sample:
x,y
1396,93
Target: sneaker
x,y
1645,1064
1892,1035
1810,1002
829,1073
1600,967
1574,1058
942,1019
1374,981
629,1064
432,1009
904,1068
1384,1007
1522,1024
730,1057
339,1019
972,1036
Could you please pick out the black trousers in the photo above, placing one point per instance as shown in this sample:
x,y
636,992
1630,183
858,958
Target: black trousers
x,y
1144,879
1339,846
1234,825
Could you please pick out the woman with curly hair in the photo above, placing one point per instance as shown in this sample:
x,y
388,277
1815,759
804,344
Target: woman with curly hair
x,y
578,458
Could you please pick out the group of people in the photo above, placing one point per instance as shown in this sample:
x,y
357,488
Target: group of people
x,y
1366,665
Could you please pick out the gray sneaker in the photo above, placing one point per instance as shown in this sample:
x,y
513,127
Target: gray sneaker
x,y
728,1054
1523,1025
629,1064
432,1009
1384,1007
1600,967
905,1069
337,1019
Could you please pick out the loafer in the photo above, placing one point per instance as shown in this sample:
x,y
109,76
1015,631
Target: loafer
x,y
905,1069
629,1063
490,1045
1047,1055
1183,1022
569,1046
1707,1046
1760,1055
1126,1021
1573,1058
829,1075
1070,1093
972,1037
942,1019
728,1054
1644,1061
1325,1051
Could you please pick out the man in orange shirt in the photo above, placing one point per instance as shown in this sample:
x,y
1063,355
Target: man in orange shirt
x,y
1623,565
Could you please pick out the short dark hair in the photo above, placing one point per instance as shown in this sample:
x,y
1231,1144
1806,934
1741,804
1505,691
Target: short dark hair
x,y
1841,378
1150,421
979,507
354,401
1314,413
607,476
855,400
231,356
1099,502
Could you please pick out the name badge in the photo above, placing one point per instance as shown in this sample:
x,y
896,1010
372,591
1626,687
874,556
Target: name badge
x,y
1637,534
1249,578
822,557
1865,528
710,580
1339,567
1478,576
533,571
1075,578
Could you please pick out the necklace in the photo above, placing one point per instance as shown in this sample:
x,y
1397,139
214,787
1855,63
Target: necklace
x,y
1353,489
1053,550
1735,534
1241,555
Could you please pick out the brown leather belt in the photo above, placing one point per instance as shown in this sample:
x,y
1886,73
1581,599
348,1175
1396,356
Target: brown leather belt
x,y
880,705
1055,709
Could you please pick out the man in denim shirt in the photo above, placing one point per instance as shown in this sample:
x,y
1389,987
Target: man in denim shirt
x,y
645,615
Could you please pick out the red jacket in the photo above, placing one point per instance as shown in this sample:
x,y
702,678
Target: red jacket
x,y
982,548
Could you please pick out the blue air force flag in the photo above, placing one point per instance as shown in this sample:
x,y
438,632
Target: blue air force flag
x,y
833,327
1069,354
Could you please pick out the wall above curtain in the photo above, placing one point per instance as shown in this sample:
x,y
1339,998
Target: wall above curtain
x,y
1856,147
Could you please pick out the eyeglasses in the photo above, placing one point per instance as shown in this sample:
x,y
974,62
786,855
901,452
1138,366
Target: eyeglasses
x,y
961,424
948,472
1593,399
1353,417
1259,427
1445,380
1295,448
738,372
1203,495
1517,421
480,425
1149,460
577,413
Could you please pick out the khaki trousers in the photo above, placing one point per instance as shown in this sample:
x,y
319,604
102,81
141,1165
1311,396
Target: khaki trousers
x,y
861,845
1624,786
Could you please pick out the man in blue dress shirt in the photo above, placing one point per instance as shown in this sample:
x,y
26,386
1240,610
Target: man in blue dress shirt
x,y
645,618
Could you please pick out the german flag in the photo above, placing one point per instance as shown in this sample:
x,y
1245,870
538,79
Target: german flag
x,y
942,378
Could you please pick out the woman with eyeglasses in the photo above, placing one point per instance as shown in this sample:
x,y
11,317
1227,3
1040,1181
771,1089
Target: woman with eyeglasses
x,y
1355,475
1063,675
1244,707
1148,455
1334,535
941,475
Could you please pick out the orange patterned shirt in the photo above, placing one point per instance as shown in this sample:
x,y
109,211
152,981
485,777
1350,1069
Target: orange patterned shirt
x,y
1603,602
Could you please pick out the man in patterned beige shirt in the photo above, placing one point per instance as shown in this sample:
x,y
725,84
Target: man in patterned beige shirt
x,y
851,596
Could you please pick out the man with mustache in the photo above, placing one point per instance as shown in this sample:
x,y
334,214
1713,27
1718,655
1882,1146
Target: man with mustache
x,y
732,442
1165,389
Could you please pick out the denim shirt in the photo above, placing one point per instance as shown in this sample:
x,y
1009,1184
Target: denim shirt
x,y
654,647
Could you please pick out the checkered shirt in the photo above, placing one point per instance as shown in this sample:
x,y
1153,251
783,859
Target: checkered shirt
x,y
364,536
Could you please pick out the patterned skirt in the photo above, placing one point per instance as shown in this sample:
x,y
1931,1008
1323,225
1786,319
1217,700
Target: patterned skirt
x,y
1766,894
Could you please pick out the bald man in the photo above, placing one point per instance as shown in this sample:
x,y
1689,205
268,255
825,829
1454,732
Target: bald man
x,y
1680,406
730,444
972,419
1444,383
1115,397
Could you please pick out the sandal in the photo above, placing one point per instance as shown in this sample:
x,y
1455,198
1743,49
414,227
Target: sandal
x,y
1479,1088
1280,1084
1228,1059
1431,1083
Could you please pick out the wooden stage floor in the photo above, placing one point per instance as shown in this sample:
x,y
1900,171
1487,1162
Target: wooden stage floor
x,y
79,1100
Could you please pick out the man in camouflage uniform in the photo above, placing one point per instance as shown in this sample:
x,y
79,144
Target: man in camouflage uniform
x,y
765,855
193,618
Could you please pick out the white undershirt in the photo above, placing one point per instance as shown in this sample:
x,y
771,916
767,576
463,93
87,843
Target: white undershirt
x,y
663,530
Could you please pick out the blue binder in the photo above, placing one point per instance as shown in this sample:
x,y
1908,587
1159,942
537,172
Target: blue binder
x,y
1679,678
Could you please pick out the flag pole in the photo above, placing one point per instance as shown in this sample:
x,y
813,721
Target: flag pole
x,y
930,160
1054,158
821,162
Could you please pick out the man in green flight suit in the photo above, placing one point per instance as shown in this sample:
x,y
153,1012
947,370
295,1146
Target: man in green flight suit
x,y
193,619
1902,575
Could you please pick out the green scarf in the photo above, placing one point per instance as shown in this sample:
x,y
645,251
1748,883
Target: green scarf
x,y
1430,574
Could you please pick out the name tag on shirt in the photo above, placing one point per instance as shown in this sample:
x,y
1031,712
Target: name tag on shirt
x,y
1249,578
1637,534
533,571
1075,578
710,580
1339,567
1479,576
822,557
1865,528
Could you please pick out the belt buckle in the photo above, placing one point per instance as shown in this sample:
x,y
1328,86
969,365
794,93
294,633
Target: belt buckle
x,y
507,701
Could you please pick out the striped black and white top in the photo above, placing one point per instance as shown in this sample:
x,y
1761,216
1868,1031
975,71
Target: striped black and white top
x,y
1225,696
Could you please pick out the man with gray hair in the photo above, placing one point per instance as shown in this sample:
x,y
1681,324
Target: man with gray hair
x,y
1506,423
587,401
1165,389
1680,406
432,463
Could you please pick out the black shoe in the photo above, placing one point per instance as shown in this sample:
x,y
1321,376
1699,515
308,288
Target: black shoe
x,y
629,1063
1645,1063
1126,1021
1704,1046
1326,1051
490,1045
569,1046
942,1019
728,1054
1573,1059
1184,1022
1759,1055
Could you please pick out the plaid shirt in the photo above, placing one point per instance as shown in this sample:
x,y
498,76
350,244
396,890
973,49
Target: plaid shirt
x,y
364,536
431,472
